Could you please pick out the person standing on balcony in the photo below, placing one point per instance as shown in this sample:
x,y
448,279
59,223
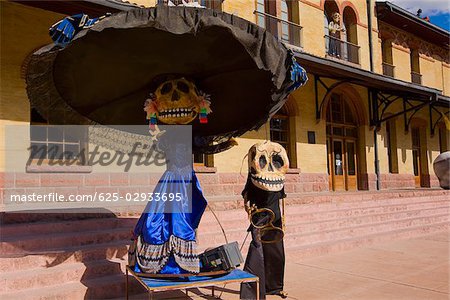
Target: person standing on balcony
x,y
334,29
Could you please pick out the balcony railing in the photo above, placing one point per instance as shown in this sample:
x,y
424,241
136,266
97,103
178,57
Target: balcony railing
x,y
388,69
341,49
287,31
416,77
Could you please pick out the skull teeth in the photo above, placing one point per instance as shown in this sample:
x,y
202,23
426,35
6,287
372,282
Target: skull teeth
x,y
176,113
267,180
273,185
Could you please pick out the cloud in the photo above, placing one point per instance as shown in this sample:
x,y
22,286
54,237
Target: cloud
x,y
429,7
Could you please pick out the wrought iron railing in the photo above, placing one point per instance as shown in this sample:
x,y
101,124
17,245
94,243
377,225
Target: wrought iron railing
x,y
287,31
416,77
341,49
388,69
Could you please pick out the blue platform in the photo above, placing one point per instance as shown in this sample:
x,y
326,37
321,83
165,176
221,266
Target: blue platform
x,y
163,284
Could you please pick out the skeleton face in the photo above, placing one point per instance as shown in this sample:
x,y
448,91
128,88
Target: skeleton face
x,y
177,102
336,17
268,164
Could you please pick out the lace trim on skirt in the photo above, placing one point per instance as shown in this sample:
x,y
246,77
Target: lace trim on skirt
x,y
153,258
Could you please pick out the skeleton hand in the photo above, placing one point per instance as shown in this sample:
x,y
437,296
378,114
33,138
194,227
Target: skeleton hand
x,y
156,133
249,209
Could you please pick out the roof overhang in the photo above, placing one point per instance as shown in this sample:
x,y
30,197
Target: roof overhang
x,y
396,16
333,69
443,101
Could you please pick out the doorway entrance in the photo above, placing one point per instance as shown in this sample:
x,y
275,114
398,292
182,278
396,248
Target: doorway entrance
x,y
416,153
342,141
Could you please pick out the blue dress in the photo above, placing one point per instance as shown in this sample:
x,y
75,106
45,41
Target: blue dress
x,y
166,237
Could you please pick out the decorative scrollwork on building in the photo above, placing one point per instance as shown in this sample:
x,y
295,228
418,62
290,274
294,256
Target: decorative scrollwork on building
x,y
408,40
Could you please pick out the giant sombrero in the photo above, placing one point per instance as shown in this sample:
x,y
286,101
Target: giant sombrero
x,y
106,72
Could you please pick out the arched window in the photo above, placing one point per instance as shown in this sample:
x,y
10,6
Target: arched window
x,y
416,77
279,129
350,35
388,63
391,146
290,28
350,24
342,141
330,7
284,25
282,133
265,9
333,44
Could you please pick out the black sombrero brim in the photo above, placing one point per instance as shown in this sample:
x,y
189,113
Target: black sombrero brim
x,y
106,73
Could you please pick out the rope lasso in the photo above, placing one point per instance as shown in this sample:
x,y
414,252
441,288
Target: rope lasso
x,y
220,224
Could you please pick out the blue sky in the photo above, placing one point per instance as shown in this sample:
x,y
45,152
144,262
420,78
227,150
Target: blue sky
x,y
437,10
441,20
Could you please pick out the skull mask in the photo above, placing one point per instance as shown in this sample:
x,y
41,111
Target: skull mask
x,y
268,164
336,17
177,102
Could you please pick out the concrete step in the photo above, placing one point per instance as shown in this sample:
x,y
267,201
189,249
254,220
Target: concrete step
x,y
296,237
297,231
112,286
293,208
388,203
295,214
39,228
359,196
312,212
208,221
85,258
225,203
299,239
42,244
105,287
44,277
67,255
299,225
323,248
365,211
52,216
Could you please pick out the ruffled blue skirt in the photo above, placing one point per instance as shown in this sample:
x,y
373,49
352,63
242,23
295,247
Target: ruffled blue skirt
x,y
166,239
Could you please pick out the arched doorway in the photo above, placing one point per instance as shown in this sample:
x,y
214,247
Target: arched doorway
x,y
342,143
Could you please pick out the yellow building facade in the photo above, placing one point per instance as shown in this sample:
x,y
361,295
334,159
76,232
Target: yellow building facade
x,y
369,117
311,134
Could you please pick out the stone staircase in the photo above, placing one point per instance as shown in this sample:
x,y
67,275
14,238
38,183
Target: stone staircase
x,y
317,224
71,259
84,257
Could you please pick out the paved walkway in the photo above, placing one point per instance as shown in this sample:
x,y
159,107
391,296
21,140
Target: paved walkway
x,y
404,269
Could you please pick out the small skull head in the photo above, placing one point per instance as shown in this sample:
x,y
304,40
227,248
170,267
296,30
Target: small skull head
x,y
268,163
177,102
336,17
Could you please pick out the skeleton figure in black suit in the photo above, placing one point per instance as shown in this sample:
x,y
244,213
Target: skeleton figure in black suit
x,y
268,163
